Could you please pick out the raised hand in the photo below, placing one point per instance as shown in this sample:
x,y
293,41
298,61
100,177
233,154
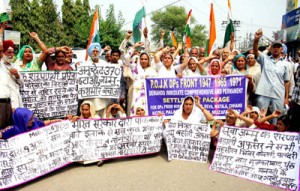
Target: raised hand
x,y
258,34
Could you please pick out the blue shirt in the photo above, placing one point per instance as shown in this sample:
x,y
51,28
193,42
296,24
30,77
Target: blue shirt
x,y
274,74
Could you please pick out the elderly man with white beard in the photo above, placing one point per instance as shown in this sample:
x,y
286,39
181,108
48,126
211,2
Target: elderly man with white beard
x,y
10,82
10,74
100,103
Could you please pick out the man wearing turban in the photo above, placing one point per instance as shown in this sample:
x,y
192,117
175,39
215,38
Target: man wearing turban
x,y
10,82
100,104
10,74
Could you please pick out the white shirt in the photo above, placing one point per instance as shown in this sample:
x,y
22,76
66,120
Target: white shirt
x,y
12,83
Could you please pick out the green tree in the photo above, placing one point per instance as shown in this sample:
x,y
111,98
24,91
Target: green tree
x,y
36,26
199,35
52,34
173,18
21,18
69,20
110,28
83,17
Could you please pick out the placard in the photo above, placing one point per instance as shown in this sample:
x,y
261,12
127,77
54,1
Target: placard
x,y
186,141
100,80
102,139
268,157
50,93
29,155
217,93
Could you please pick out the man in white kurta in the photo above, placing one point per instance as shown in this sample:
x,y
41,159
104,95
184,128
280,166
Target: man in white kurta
x,y
10,74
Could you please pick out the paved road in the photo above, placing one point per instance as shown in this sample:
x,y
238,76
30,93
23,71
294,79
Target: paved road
x,y
145,173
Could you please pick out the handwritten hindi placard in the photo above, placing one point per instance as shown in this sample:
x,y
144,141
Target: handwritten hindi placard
x,y
268,157
50,93
101,80
33,154
217,93
94,139
186,141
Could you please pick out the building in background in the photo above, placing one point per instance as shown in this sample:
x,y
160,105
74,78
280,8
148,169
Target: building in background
x,y
290,27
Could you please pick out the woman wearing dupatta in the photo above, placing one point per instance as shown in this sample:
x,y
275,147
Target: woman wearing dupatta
x,y
192,67
87,111
23,121
26,56
191,111
140,71
240,68
214,67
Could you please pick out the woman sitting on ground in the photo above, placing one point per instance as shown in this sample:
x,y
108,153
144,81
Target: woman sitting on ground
x,y
282,124
23,121
87,111
191,111
114,111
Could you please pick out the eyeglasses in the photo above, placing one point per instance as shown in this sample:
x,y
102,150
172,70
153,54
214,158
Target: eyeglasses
x,y
114,109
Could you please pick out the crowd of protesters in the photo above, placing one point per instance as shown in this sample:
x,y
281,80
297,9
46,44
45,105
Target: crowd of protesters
x,y
272,82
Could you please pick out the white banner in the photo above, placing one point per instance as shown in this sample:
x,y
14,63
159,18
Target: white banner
x,y
268,157
99,80
94,139
33,154
51,93
186,141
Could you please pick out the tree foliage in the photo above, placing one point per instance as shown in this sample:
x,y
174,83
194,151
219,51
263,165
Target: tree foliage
x,y
21,18
52,33
110,28
173,18
72,29
69,20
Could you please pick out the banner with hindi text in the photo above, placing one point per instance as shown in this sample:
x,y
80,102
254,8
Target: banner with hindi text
x,y
102,139
50,93
101,80
186,141
30,155
267,157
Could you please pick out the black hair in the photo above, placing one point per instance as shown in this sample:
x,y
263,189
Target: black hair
x,y
188,98
285,119
115,50
59,51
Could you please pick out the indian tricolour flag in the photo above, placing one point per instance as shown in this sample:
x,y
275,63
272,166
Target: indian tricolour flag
x,y
137,24
229,27
212,31
94,33
187,31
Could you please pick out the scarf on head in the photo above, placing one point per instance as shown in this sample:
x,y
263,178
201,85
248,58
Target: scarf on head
x,y
209,72
235,70
92,109
195,116
20,55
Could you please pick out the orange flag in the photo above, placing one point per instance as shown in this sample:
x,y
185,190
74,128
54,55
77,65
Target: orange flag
x,y
212,31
